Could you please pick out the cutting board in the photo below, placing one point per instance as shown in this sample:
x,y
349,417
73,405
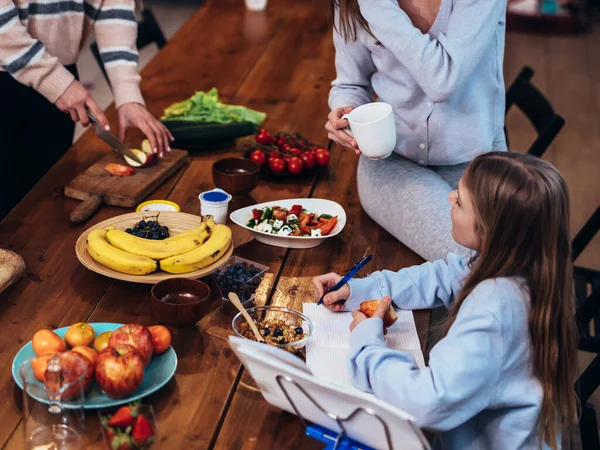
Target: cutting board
x,y
96,186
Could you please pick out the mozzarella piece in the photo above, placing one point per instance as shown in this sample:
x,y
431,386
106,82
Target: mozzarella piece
x,y
268,228
285,231
316,232
291,218
277,224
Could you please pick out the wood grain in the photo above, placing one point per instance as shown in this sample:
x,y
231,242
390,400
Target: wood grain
x,y
124,191
250,422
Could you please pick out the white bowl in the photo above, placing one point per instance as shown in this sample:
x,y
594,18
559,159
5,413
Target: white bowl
x,y
312,205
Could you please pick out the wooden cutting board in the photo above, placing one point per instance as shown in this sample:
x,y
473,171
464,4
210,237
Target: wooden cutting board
x,y
96,186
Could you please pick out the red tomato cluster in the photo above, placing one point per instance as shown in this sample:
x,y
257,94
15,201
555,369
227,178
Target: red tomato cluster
x,y
285,152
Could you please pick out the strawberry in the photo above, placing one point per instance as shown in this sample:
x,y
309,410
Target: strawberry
x,y
119,170
121,442
124,417
142,432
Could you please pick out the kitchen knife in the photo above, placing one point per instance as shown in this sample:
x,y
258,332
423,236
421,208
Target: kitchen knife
x,y
112,140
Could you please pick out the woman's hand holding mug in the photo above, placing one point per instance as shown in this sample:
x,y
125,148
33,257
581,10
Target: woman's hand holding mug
x,y
335,128
369,129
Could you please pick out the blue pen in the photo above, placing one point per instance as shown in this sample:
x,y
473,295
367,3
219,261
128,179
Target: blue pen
x,y
359,265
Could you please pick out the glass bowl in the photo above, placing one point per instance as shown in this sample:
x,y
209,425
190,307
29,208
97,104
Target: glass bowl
x,y
229,283
108,433
290,317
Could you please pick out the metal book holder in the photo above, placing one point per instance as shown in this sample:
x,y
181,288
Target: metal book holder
x,y
338,419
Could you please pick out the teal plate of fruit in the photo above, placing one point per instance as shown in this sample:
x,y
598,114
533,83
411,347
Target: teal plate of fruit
x,y
157,373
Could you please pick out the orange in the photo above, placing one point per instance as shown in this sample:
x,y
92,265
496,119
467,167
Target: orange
x,y
39,365
86,352
80,334
47,341
101,341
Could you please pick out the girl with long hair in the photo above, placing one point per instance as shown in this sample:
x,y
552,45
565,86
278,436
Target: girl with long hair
x,y
438,63
502,375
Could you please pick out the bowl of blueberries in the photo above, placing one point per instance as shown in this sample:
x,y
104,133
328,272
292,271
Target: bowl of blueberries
x,y
149,228
241,276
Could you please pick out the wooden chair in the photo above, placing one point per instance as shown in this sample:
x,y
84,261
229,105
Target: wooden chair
x,y
523,94
149,32
588,308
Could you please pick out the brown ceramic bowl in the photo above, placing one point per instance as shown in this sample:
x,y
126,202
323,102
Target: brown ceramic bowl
x,y
236,175
179,301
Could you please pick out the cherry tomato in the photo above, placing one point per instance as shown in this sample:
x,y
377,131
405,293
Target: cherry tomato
x,y
295,165
259,157
285,148
263,137
322,157
309,160
295,151
274,155
276,165
280,141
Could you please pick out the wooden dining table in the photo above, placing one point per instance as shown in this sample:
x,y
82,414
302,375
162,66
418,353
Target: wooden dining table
x,y
280,61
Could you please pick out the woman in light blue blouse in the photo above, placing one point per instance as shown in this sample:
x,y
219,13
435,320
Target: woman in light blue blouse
x,y
502,375
439,64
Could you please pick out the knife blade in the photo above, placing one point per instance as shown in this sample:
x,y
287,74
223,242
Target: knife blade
x,y
112,140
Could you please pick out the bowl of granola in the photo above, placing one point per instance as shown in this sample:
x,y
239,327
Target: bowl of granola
x,y
281,327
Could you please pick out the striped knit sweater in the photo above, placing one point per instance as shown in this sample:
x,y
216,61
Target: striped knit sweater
x,y
39,37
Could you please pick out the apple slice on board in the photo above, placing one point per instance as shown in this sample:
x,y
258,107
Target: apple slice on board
x,y
145,158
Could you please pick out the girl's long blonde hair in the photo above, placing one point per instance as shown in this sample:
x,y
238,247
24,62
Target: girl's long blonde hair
x,y
350,19
522,211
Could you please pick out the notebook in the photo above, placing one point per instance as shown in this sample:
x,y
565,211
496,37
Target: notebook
x,y
328,348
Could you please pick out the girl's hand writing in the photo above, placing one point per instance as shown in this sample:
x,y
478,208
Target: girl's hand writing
x,y
382,308
334,301
335,128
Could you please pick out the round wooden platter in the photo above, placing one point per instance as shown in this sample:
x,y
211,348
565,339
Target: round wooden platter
x,y
177,222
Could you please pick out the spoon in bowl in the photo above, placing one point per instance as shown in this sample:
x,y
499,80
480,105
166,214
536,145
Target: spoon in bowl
x,y
238,304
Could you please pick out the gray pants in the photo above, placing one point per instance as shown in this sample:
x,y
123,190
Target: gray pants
x,y
411,203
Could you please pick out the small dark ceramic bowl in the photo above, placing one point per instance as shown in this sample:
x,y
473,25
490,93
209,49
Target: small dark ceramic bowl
x,y
236,175
179,301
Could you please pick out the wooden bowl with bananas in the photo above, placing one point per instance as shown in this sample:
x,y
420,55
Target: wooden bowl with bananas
x,y
135,247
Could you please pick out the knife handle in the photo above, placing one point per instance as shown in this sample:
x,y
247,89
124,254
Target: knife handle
x,y
86,208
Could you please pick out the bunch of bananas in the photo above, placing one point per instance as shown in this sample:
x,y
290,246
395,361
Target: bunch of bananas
x,y
186,252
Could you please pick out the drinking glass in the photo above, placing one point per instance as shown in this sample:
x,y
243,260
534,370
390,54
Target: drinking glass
x,y
53,411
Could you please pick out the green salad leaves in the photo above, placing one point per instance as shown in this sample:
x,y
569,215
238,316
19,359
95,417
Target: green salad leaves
x,y
206,107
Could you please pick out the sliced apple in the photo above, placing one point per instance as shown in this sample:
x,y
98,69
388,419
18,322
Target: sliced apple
x,y
145,158
147,147
119,170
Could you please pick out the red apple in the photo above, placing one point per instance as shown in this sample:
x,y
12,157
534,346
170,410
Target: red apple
x,y
119,370
138,336
145,158
63,371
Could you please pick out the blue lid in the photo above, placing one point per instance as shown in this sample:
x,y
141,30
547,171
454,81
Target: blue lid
x,y
215,196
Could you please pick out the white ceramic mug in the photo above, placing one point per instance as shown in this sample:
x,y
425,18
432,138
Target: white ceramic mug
x,y
374,129
256,5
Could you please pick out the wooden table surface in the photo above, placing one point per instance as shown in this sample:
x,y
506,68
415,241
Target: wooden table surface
x,y
279,61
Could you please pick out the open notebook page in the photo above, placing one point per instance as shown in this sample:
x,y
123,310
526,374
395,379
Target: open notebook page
x,y
328,348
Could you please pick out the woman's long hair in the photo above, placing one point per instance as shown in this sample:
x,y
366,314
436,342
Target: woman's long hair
x,y
522,212
350,19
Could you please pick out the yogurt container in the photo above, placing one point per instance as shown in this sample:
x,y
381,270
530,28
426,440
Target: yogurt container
x,y
215,203
158,205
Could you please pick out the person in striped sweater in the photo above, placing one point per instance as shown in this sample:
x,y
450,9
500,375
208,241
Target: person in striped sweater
x,y
40,42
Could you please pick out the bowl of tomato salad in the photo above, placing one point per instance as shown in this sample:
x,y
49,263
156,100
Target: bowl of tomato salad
x,y
294,223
